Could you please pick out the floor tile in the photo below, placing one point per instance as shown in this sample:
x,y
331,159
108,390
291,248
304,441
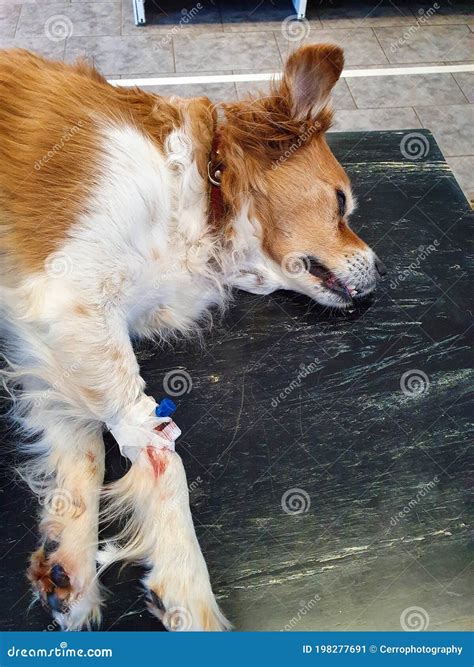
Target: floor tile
x,y
439,43
446,11
341,96
466,83
122,55
374,119
13,3
58,21
404,91
343,14
360,46
232,51
217,92
245,88
463,168
40,45
169,17
252,15
8,20
452,125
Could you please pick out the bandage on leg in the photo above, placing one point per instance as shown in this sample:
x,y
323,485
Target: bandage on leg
x,y
139,428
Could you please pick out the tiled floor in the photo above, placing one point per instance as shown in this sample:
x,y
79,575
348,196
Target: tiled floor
x,y
248,36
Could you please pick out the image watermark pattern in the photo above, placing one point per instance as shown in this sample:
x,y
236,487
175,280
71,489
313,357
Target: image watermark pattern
x,y
186,18
304,371
177,382
295,501
425,490
422,254
414,146
178,619
414,619
195,484
58,265
414,382
302,139
294,29
49,392
61,651
58,28
421,20
295,264
68,607
59,502
304,608
67,136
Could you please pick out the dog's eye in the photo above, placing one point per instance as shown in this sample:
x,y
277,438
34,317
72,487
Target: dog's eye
x,y
341,202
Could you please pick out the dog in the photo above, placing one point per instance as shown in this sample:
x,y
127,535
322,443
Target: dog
x,y
125,214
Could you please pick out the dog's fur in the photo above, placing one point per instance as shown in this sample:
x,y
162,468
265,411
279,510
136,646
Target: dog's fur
x,y
106,234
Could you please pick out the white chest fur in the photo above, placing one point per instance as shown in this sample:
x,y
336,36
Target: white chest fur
x,y
144,245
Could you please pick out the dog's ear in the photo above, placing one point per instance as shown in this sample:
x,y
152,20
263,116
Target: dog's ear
x,y
309,76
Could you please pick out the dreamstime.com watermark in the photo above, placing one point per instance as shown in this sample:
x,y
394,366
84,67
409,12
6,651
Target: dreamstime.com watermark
x,y
414,146
61,651
50,391
59,27
302,139
54,150
295,29
305,370
424,491
421,20
304,608
295,501
414,383
186,17
177,382
414,619
422,254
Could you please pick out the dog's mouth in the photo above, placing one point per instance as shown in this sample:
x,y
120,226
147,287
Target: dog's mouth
x,y
330,281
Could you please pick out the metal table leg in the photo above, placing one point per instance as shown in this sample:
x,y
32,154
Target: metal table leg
x,y
139,11
300,7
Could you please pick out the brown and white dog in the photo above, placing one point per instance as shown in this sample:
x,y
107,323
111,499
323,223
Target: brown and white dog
x,y
110,228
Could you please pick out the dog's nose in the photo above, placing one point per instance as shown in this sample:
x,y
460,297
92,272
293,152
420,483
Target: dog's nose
x,y
380,266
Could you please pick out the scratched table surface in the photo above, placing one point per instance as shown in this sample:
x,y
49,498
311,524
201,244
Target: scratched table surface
x,y
326,452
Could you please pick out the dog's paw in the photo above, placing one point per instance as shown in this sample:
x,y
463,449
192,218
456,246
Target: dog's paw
x,y
73,602
185,610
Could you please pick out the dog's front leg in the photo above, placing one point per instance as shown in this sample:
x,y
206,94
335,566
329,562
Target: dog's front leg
x,y
152,498
160,532
94,378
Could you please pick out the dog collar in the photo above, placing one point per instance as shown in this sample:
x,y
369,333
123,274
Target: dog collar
x,y
215,168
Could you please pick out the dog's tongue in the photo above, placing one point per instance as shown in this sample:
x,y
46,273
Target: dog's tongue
x,y
332,283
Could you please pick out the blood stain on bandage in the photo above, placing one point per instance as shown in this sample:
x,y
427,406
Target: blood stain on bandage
x,y
157,460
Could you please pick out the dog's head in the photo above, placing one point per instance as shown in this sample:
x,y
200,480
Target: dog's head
x,y
295,195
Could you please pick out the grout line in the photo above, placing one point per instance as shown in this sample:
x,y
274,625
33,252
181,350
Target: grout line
x,y
267,76
277,47
173,53
416,114
462,91
352,95
18,21
381,47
